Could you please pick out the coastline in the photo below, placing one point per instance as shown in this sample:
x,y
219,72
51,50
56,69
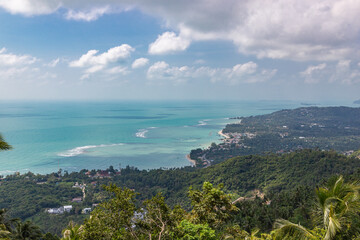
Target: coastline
x,y
192,161
223,134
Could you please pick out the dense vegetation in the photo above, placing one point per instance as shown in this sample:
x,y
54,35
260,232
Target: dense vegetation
x,y
285,179
4,145
326,128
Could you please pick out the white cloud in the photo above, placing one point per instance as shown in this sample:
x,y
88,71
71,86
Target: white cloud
x,y
161,70
285,29
118,70
112,55
53,63
240,73
95,62
341,72
313,73
30,7
140,62
89,15
345,73
10,59
168,42
13,66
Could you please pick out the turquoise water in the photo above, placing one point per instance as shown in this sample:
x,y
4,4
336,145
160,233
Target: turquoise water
x,y
95,135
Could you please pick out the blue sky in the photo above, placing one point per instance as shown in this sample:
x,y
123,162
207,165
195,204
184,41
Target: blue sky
x,y
204,49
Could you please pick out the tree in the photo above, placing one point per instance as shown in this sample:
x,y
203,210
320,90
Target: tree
x,y
113,219
26,231
211,205
287,230
190,231
4,145
4,233
336,212
338,205
158,219
72,232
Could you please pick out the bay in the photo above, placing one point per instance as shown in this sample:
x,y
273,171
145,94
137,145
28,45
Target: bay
x,y
72,136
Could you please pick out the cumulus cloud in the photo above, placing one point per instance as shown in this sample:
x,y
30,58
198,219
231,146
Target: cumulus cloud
x,y
168,42
112,55
95,62
140,62
284,29
240,73
30,7
53,63
10,59
118,69
342,72
89,15
21,68
313,73
161,70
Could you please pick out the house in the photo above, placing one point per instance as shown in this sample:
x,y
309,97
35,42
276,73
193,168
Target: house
x,y
77,199
59,210
86,210
102,174
67,208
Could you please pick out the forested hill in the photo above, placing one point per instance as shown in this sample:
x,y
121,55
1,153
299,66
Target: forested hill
x,y
306,121
270,174
326,128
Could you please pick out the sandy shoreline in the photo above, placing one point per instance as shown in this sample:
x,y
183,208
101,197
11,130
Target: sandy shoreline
x,y
223,134
192,161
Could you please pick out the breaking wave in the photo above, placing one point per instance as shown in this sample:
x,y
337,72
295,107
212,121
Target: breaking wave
x,y
142,132
80,150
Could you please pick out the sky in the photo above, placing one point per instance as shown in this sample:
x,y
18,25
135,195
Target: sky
x,y
191,49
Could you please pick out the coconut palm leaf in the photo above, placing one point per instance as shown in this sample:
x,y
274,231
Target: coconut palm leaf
x,y
285,229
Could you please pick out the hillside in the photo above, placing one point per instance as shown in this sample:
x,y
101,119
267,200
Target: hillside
x,y
271,174
326,128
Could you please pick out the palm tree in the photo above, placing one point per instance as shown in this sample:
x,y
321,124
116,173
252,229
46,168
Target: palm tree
x,y
26,231
336,209
4,222
4,233
72,232
337,205
285,229
3,144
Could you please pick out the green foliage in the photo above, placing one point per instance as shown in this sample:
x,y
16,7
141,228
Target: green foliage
x,y
190,231
325,128
24,198
278,176
158,219
338,205
211,205
113,218
72,232
4,145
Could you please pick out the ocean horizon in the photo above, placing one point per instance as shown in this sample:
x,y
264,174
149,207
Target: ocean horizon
x,y
72,136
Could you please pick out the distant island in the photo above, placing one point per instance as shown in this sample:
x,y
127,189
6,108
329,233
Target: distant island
x,y
357,102
326,128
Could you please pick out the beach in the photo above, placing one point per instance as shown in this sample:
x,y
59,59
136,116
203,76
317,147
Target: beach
x,y
192,161
223,134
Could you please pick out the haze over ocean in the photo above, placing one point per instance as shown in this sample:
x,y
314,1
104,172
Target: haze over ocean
x,y
95,135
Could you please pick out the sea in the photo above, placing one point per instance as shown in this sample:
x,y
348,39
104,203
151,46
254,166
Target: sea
x,y
47,136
